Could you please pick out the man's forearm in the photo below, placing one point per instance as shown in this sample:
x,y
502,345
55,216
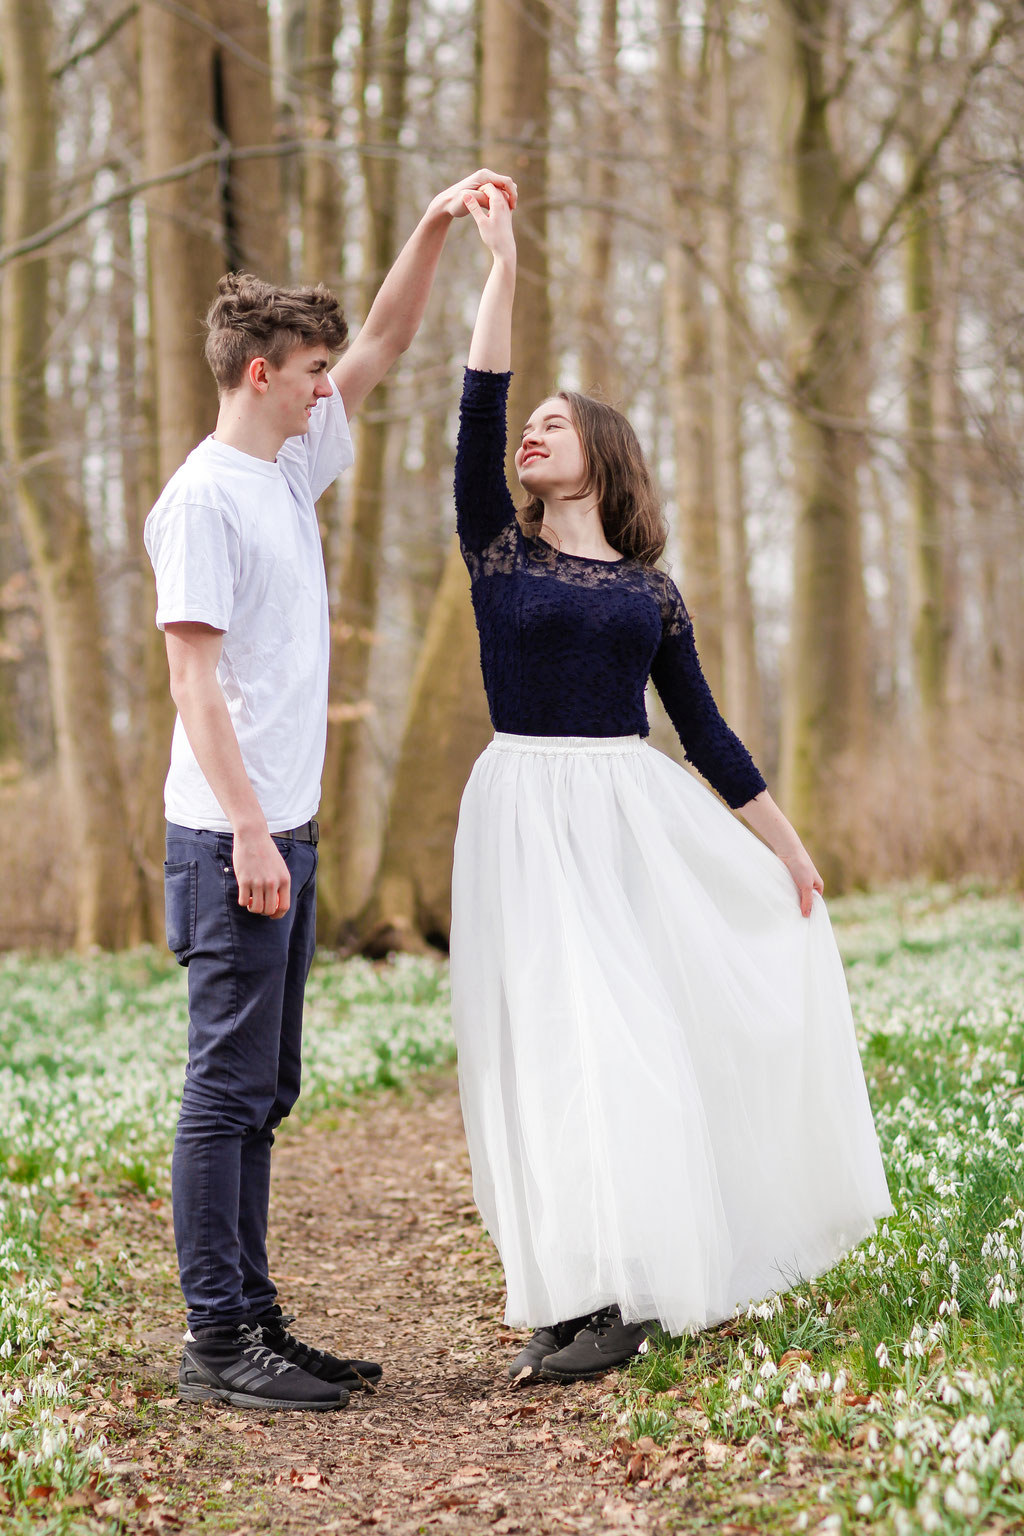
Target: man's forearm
x,y
397,311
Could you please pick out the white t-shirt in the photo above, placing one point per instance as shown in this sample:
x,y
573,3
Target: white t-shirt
x,y
235,544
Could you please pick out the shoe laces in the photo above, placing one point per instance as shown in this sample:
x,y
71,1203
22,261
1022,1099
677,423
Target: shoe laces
x,y
278,1331
603,1320
254,1349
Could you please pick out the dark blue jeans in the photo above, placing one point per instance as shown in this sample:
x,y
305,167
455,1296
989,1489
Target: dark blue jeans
x,y
246,976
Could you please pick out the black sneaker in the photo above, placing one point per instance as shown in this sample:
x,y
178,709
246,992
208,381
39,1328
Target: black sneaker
x,y
604,1343
544,1342
353,1375
233,1365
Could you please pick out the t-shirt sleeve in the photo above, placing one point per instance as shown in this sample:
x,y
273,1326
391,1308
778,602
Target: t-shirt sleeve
x,y
195,554
713,749
483,504
326,449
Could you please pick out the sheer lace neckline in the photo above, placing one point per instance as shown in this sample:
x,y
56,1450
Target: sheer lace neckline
x,y
567,554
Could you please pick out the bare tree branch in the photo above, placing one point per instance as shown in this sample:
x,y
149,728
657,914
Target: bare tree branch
x,y
222,155
916,180
109,32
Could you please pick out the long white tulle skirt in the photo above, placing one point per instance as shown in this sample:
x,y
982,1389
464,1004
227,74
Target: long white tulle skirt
x,y
661,1088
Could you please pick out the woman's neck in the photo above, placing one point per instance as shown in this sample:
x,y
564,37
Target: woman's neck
x,y
575,528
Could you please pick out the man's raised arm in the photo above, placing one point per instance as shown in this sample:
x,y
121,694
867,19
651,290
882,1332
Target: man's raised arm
x,y
398,309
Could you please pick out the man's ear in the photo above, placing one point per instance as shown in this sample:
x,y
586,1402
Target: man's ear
x,y
258,374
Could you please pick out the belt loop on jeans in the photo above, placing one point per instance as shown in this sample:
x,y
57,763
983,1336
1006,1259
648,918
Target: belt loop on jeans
x,y
309,832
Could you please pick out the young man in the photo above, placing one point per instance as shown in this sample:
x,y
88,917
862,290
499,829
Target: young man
x,y
242,601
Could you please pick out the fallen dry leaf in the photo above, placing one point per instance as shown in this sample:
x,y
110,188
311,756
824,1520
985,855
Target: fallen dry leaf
x,y
715,1453
466,1475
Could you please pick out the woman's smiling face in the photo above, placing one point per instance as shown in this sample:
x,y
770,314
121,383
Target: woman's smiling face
x,y
550,461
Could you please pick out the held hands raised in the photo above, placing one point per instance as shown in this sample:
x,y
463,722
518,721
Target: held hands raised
x,y
492,214
452,200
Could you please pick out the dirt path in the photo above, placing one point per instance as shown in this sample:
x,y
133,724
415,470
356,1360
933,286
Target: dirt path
x,y
377,1248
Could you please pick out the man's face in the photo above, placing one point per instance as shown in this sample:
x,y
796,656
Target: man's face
x,y
296,386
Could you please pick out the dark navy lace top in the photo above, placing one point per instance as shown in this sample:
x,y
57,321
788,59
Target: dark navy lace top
x,y
567,643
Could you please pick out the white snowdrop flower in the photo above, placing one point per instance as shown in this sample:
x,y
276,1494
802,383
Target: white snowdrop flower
x,y
768,1370
899,1397
760,1347
882,1356
1015,1465
865,1504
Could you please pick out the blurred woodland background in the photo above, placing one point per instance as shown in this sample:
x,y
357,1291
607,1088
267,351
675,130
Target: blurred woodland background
x,y
783,235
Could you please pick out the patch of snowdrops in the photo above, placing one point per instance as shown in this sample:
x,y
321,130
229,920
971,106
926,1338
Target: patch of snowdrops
x,y
904,1365
92,1055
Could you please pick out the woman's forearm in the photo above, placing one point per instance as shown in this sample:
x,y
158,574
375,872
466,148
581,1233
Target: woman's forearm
x,y
770,823
491,347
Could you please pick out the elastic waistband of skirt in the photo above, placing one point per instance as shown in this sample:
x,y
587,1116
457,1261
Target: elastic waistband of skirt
x,y
595,746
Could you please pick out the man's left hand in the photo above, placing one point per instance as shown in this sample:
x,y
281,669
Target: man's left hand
x,y
451,201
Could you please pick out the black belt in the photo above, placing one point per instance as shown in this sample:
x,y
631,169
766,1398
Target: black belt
x,y
309,832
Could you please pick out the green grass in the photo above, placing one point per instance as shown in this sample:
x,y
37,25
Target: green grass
x,y
905,1363
94,1052
898,1377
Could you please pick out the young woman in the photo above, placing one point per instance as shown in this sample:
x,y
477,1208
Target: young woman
x,y
662,1094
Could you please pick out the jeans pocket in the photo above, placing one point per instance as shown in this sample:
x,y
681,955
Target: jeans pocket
x,y
181,883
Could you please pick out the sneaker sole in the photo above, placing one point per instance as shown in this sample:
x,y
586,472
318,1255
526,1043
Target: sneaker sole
x,y
601,1370
355,1383
204,1394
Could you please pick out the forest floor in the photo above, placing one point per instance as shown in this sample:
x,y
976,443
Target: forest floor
x,y
377,1247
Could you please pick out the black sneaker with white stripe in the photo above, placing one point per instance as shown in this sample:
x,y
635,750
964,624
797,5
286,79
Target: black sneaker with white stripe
x,y
353,1375
232,1365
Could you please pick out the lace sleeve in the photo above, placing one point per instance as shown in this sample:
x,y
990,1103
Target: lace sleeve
x,y
483,505
713,749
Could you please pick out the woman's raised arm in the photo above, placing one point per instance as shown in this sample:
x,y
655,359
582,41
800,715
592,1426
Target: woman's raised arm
x,y
491,347
483,506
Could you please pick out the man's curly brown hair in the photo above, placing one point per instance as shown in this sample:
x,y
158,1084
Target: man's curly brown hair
x,y
250,318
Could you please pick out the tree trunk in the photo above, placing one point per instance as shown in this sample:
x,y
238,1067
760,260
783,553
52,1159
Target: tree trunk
x,y
446,729
514,126
183,227
824,702
52,519
741,684
929,627
322,209
597,349
350,829
243,112
688,382
447,724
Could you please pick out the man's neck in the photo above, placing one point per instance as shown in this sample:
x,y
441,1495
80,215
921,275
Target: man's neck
x,y
248,433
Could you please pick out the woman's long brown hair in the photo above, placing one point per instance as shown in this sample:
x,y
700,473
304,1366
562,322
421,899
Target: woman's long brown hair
x,y
616,473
